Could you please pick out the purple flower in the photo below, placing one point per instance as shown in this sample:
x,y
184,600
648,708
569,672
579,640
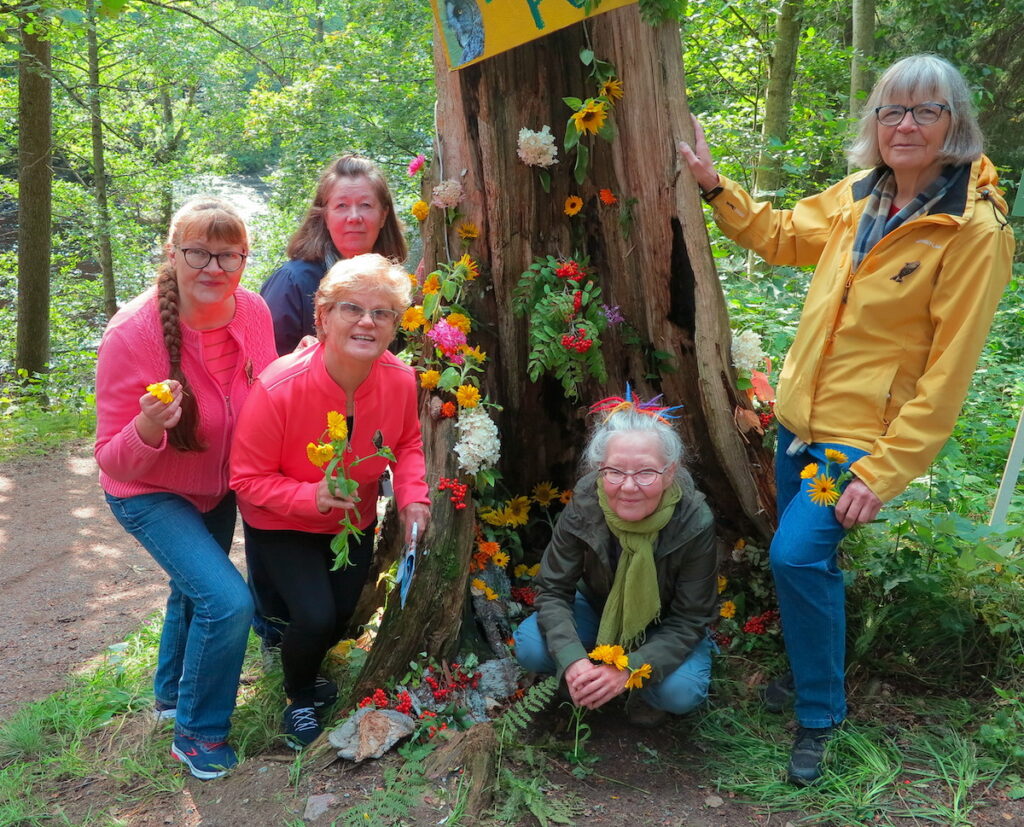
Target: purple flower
x,y
612,313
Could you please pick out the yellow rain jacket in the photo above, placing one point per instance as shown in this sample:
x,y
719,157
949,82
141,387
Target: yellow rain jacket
x,y
883,356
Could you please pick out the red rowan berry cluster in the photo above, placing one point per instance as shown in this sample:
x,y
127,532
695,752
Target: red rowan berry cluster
x,y
458,489
577,301
759,624
571,270
577,341
524,595
768,417
459,680
432,730
403,703
724,641
379,699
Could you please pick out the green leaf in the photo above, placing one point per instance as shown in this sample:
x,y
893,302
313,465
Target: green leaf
x,y
574,103
449,379
572,135
586,56
430,304
545,179
448,289
582,159
72,16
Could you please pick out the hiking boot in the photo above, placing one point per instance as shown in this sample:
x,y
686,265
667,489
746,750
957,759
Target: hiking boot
x,y
808,754
779,694
204,760
301,727
164,711
642,715
325,692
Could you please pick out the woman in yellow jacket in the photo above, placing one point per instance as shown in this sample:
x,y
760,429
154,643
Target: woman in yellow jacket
x,y
911,257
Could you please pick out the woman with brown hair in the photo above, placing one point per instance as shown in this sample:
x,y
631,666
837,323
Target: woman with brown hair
x,y
162,448
352,213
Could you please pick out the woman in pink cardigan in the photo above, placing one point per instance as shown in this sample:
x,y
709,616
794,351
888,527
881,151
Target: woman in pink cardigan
x,y
162,448
288,510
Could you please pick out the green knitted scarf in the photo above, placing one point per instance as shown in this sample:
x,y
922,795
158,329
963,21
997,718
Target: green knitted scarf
x,y
634,602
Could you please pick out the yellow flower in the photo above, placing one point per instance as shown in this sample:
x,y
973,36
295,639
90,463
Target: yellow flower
x,y
413,318
590,117
162,391
459,320
478,584
519,510
337,426
604,653
319,455
544,494
534,570
495,516
722,583
429,379
432,284
573,204
832,455
728,609
520,570
420,210
809,471
474,353
566,496
500,559
638,676
467,396
470,266
490,593
612,89
823,490
467,230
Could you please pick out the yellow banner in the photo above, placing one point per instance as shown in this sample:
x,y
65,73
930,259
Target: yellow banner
x,y
472,30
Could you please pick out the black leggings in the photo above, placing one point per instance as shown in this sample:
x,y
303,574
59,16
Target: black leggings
x,y
320,601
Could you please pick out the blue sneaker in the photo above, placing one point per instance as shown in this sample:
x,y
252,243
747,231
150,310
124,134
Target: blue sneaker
x,y
301,727
204,760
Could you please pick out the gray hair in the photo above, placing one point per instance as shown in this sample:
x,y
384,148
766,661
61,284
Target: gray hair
x,y
631,421
921,77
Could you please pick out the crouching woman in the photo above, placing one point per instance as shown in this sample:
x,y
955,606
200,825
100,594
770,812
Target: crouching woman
x,y
632,562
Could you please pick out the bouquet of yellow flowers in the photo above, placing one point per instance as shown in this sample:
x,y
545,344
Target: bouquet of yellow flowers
x,y
328,454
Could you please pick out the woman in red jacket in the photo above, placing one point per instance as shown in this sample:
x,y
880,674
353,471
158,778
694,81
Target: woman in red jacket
x,y
289,511
163,461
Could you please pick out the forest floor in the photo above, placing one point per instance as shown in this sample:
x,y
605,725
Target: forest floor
x,y
74,583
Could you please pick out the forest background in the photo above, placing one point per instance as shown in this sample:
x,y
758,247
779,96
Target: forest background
x,y
152,101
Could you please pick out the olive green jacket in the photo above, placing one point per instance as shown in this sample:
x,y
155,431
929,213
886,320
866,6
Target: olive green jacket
x,y
578,557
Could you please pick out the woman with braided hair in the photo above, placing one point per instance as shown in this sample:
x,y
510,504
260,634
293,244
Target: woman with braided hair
x,y
174,367
632,563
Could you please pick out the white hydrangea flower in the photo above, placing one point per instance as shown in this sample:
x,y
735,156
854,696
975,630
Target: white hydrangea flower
x,y
447,194
479,446
537,149
747,354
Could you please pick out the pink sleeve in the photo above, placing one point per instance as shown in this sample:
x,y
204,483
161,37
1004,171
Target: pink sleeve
x,y
256,462
119,450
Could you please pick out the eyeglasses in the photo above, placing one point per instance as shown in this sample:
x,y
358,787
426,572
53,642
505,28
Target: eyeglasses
x,y
645,476
924,113
379,315
198,258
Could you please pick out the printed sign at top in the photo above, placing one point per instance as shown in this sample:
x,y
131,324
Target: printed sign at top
x,y
472,30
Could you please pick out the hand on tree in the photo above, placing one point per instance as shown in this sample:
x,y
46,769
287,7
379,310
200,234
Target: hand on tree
x,y
592,685
857,505
698,158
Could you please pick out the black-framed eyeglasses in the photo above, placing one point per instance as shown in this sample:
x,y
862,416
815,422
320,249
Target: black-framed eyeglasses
x,y
379,315
892,114
198,258
645,476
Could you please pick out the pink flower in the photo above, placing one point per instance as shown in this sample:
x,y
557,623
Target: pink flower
x,y
416,164
448,339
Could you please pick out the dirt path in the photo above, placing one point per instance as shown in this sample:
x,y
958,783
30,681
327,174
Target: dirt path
x,y
73,582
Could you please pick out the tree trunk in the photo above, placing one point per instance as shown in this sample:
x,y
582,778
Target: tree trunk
x,y
775,127
99,165
34,198
863,50
659,271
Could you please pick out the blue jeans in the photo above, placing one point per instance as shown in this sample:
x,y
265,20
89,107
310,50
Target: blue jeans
x,y
206,624
812,597
680,692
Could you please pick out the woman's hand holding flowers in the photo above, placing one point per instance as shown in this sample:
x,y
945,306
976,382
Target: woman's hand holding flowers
x,y
592,685
156,416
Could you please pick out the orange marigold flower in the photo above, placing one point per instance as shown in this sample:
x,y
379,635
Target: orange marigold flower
x,y
607,197
728,609
573,204
566,496
488,547
429,379
448,409
459,320
420,210
432,284
467,396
